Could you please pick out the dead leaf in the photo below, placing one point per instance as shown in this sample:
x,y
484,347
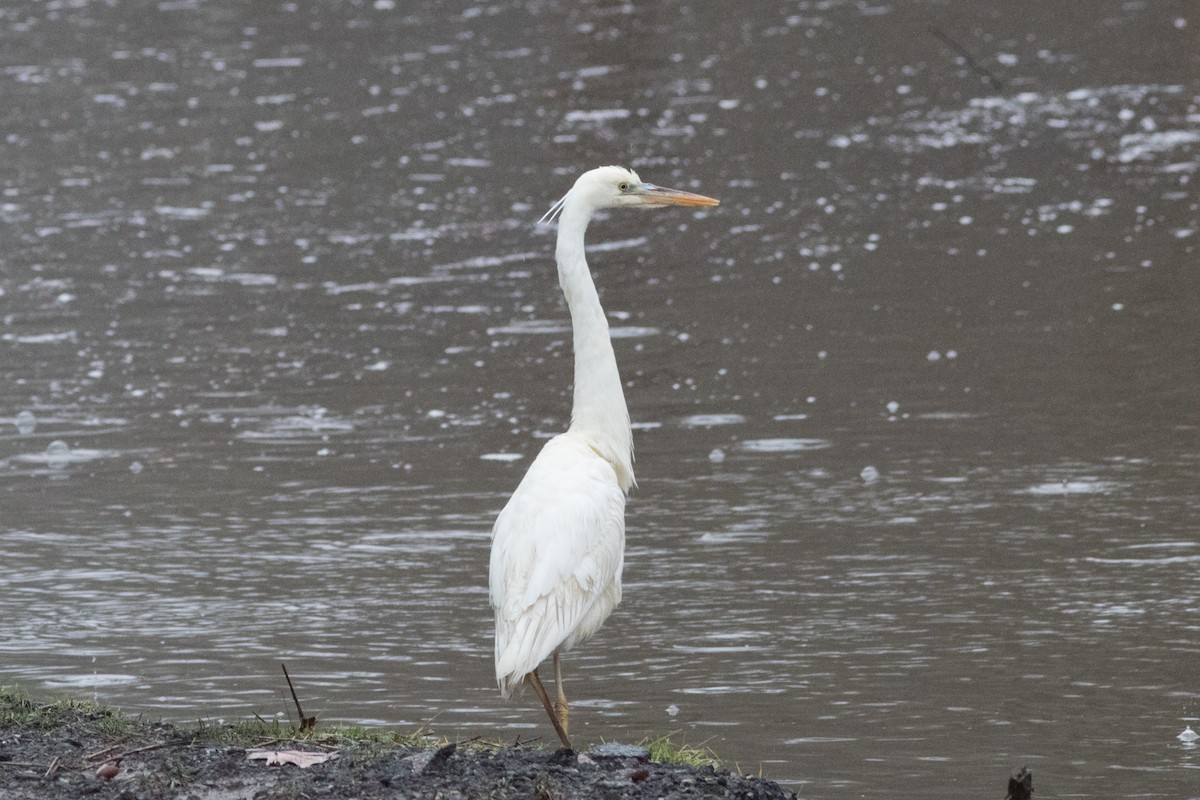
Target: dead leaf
x,y
301,758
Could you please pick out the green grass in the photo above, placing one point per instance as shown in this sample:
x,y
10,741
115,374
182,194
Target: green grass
x,y
17,708
665,750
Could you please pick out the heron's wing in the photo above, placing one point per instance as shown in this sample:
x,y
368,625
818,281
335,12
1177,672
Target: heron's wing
x,y
557,552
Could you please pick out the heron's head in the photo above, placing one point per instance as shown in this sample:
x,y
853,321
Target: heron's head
x,y
618,187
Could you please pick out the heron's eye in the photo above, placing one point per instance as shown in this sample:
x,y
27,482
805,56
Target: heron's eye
x,y
624,187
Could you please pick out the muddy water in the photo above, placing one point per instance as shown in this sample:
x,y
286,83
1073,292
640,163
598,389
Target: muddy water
x,y
916,407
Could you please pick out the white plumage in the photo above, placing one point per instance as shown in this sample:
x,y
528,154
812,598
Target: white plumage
x,y
559,544
552,591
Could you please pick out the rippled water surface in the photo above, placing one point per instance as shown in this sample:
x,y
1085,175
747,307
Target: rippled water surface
x,y
915,408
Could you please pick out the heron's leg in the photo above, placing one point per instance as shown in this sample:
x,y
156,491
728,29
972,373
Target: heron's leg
x,y
533,680
561,705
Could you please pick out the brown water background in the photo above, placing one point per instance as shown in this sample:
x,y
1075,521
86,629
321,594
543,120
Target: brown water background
x,y
916,408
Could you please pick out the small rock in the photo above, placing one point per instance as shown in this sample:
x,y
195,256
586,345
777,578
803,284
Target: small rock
x,y
1020,786
417,762
438,761
428,760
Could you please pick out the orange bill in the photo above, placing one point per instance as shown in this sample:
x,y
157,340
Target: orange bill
x,y
657,195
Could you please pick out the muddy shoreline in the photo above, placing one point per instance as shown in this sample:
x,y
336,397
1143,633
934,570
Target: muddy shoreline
x,y
64,750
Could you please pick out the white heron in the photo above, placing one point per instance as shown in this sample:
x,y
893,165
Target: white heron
x,y
559,544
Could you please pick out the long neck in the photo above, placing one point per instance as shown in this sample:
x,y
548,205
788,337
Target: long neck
x,y
598,412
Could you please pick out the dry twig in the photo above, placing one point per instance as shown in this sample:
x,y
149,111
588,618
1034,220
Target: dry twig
x,y
306,723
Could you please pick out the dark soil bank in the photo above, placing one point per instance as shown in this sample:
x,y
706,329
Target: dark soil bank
x,y
55,752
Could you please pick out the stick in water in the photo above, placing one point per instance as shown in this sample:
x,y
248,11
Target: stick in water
x,y
979,69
